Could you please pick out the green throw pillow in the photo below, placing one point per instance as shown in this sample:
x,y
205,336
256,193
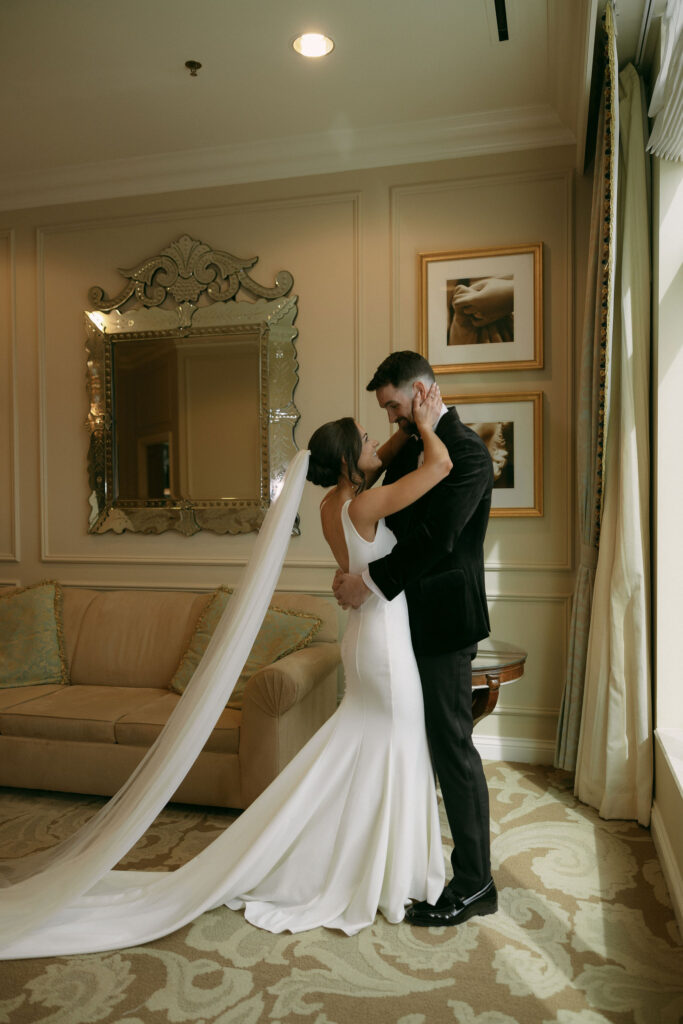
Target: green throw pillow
x,y
281,633
31,641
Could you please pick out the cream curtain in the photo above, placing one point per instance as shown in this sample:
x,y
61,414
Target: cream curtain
x,y
593,397
614,759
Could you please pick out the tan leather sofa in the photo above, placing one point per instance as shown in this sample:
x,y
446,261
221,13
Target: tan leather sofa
x,y
123,648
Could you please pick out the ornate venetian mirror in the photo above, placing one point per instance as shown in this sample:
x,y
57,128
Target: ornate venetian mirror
x,y
191,394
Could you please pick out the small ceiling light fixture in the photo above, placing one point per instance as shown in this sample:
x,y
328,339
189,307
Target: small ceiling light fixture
x,y
313,44
193,67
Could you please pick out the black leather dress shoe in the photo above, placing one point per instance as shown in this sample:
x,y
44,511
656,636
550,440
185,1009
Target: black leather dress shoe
x,y
450,909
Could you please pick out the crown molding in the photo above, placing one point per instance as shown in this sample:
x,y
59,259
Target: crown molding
x,y
9,370
294,156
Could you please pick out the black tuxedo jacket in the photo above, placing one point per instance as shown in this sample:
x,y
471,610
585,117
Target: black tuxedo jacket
x,y
439,556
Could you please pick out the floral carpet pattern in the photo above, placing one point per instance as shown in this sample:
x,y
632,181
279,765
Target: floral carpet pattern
x,y
585,934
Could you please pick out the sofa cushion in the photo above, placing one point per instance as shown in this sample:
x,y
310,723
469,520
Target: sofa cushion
x,y
76,712
12,697
75,601
134,638
282,632
140,727
31,643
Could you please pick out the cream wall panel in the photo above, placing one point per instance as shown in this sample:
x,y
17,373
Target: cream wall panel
x,y
315,239
9,497
490,211
539,624
667,385
669,797
667,813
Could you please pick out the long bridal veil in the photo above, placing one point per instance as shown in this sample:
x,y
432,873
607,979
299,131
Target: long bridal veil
x,y
69,899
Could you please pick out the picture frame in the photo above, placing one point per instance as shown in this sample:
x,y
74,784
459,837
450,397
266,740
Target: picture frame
x,y
481,309
511,425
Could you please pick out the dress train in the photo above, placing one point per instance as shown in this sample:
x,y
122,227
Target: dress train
x,y
348,828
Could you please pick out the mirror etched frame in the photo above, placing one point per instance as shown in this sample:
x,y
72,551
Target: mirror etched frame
x,y
169,289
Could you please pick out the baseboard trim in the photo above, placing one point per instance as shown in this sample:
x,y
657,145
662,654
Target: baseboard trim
x,y
667,859
504,748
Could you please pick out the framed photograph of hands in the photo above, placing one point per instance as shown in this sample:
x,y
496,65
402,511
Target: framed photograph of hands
x,y
511,426
482,309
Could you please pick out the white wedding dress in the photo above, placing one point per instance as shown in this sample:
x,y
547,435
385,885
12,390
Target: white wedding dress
x,y
351,826
348,828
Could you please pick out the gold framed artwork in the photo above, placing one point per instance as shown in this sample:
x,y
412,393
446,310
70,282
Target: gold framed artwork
x,y
511,425
482,309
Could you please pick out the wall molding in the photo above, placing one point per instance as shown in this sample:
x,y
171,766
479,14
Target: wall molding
x,y
565,372
358,293
294,588
170,560
480,181
528,567
538,598
13,554
43,232
508,748
295,563
173,215
667,859
517,711
144,585
294,156
42,391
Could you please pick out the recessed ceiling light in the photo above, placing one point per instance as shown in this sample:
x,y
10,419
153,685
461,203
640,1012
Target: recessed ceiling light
x,y
313,44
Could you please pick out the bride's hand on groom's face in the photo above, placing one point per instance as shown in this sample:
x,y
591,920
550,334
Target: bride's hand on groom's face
x,y
426,411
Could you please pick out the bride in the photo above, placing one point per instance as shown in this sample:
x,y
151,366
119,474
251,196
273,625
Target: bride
x,y
348,828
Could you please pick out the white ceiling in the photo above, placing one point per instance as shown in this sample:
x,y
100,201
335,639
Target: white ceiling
x,y
97,100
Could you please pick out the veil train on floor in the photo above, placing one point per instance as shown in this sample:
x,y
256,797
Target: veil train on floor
x,y
70,886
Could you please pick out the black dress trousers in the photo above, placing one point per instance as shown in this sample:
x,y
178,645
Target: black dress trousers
x,y
447,690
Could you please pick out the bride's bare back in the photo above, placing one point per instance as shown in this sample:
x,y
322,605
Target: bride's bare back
x,y
333,531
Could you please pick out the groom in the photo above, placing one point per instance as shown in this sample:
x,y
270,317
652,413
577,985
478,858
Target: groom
x,y
439,562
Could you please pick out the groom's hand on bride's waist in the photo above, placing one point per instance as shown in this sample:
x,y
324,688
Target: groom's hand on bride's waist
x,y
349,589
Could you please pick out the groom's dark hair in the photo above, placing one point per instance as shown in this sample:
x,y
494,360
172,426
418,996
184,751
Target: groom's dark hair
x,y
399,369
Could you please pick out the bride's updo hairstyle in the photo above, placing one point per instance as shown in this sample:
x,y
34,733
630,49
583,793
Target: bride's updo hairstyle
x,y
329,445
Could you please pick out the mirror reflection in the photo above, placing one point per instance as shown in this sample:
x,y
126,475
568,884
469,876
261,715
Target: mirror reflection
x,y
187,418
191,394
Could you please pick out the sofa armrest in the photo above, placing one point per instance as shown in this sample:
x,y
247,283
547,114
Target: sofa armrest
x,y
284,705
276,688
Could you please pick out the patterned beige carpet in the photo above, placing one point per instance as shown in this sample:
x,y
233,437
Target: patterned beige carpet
x,y
585,934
